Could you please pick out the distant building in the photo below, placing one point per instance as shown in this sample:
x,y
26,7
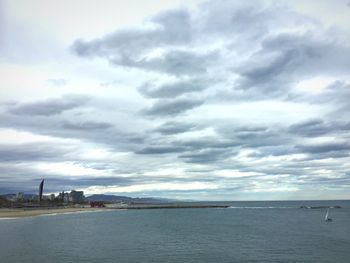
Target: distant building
x,y
61,196
45,197
41,188
76,196
52,197
65,197
72,197
33,198
19,196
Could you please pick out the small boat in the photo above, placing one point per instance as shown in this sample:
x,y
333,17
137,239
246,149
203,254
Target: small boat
x,y
326,218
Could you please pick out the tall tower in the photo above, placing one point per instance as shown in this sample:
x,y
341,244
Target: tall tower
x,y
41,187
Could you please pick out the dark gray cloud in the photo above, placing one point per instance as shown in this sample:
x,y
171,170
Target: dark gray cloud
x,y
75,127
285,58
206,156
325,147
265,141
87,125
176,30
170,107
208,142
256,74
161,150
173,127
312,52
48,107
273,62
310,128
32,152
171,27
178,62
128,47
319,127
253,136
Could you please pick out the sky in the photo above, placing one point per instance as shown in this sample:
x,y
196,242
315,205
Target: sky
x,y
194,100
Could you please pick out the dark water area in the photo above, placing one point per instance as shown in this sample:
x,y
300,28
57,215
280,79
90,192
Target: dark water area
x,y
246,232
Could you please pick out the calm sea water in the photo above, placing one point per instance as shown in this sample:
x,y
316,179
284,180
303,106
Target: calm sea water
x,y
248,232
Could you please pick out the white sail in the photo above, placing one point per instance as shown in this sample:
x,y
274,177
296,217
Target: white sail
x,y
326,217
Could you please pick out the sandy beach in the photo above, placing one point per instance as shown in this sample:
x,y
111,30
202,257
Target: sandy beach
x,y
21,212
27,212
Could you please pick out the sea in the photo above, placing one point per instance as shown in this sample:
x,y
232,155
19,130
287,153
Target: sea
x,y
278,231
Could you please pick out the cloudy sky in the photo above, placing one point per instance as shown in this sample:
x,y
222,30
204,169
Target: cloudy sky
x,y
206,100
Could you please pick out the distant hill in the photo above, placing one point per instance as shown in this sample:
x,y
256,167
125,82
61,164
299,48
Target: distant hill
x,y
116,198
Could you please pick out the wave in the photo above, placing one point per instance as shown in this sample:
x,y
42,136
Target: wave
x,y
261,207
77,212
68,213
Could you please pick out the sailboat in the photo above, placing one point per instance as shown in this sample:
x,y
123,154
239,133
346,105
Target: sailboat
x,y
326,218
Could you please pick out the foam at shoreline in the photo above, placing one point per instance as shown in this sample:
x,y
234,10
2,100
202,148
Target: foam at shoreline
x,y
262,207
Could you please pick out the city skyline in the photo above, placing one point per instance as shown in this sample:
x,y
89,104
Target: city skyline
x,y
202,100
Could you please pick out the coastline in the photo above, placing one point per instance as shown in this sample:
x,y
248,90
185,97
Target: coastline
x,y
8,213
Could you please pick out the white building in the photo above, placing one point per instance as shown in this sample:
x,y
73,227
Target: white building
x,y
19,196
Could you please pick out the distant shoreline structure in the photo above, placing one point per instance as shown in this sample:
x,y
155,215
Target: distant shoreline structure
x,y
319,207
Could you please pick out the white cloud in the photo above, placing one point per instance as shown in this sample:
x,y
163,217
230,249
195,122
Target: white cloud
x,y
68,169
139,188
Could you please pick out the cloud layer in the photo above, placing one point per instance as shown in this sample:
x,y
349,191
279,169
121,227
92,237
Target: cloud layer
x,y
224,100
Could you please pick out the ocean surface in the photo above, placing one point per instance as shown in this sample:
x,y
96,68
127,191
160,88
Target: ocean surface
x,y
246,232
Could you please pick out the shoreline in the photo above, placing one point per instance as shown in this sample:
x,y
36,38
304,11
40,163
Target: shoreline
x,y
10,213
